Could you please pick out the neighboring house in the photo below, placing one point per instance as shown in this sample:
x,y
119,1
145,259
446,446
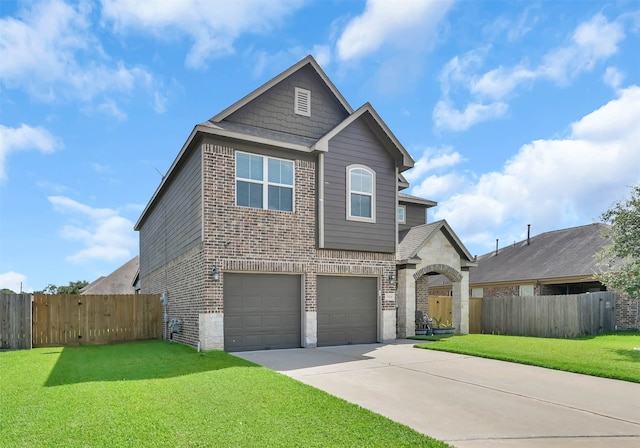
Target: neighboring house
x,y
277,225
120,281
552,263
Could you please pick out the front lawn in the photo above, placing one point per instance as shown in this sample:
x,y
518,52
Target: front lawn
x,y
609,356
157,394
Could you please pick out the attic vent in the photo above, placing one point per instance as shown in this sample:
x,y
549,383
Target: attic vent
x,y
302,102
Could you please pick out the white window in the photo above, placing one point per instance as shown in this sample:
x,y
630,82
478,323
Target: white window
x,y
264,182
302,102
361,193
526,290
402,214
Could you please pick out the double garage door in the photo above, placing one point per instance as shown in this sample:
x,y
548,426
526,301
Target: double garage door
x,y
264,311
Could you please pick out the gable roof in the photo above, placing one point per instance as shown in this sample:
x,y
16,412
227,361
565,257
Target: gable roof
x,y
367,110
217,126
403,197
556,254
309,60
412,240
119,281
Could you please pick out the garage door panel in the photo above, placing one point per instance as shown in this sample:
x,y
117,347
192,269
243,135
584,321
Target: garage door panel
x,y
262,311
347,310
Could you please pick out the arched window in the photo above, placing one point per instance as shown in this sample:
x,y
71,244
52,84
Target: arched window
x,y
361,193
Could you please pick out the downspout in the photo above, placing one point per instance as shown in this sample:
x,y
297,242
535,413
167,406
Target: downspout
x,y
321,200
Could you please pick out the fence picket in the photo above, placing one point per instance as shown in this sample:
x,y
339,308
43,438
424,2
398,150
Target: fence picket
x,y
61,320
549,316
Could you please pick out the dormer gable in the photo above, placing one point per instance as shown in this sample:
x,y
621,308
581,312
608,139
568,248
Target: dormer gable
x,y
367,114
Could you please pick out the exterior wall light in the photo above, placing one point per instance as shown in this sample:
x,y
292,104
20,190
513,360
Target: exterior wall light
x,y
215,274
392,279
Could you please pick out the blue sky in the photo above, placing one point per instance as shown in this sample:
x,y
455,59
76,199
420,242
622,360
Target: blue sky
x,y
516,112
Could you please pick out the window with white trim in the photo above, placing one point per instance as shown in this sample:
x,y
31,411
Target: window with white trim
x,y
302,102
361,193
402,211
264,182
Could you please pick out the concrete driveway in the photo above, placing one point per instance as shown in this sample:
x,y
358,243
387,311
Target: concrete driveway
x,y
468,401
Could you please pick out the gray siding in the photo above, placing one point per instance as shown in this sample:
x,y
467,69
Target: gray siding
x,y
415,215
274,108
357,144
175,224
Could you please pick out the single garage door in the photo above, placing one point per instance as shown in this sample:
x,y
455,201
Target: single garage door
x,y
347,310
261,311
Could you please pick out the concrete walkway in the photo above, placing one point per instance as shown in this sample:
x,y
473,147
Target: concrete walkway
x,y
467,401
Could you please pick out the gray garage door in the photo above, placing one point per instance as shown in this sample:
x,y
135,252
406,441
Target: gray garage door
x,y
347,310
261,311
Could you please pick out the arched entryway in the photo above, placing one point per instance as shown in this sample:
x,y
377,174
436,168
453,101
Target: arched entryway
x,y
440,252
421,277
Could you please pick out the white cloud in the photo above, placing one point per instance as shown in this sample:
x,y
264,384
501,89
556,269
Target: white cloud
x,y
433,159
213,28
49,50
104,234
591,42
24,138
613,77
554,183
498,83
446,116
110,107
322,54
435,186
398,34
389,23
14,281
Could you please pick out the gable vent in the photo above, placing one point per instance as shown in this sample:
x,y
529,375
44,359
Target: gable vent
x,y
302,102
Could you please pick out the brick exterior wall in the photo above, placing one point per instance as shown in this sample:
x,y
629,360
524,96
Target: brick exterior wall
x,y
241,239
627,312
422,294
183,280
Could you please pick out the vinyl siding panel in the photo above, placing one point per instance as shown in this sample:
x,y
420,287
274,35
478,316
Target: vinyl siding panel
x,y
175,224
274,109
357,144
415,215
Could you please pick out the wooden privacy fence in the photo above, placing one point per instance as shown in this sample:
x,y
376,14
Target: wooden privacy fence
x,y
563,316
442,307
15,321
95,319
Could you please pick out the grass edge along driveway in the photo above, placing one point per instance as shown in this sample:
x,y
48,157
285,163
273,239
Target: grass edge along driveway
x,y
611,355
152,393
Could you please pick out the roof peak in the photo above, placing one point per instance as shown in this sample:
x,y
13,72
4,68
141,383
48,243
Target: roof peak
x,y
307,60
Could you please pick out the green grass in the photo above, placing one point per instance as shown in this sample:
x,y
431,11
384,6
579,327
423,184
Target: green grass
x,y
607,356
156,394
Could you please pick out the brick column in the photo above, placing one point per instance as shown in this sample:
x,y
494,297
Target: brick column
x,y
406,300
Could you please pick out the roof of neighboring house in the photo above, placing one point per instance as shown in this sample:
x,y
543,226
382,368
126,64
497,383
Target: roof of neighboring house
x,y
559,254
412,240
119,281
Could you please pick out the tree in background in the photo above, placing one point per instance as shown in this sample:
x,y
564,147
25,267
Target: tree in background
x,y
620,261
6,291
73,288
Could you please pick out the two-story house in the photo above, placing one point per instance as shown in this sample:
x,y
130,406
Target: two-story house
x,y
277,224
